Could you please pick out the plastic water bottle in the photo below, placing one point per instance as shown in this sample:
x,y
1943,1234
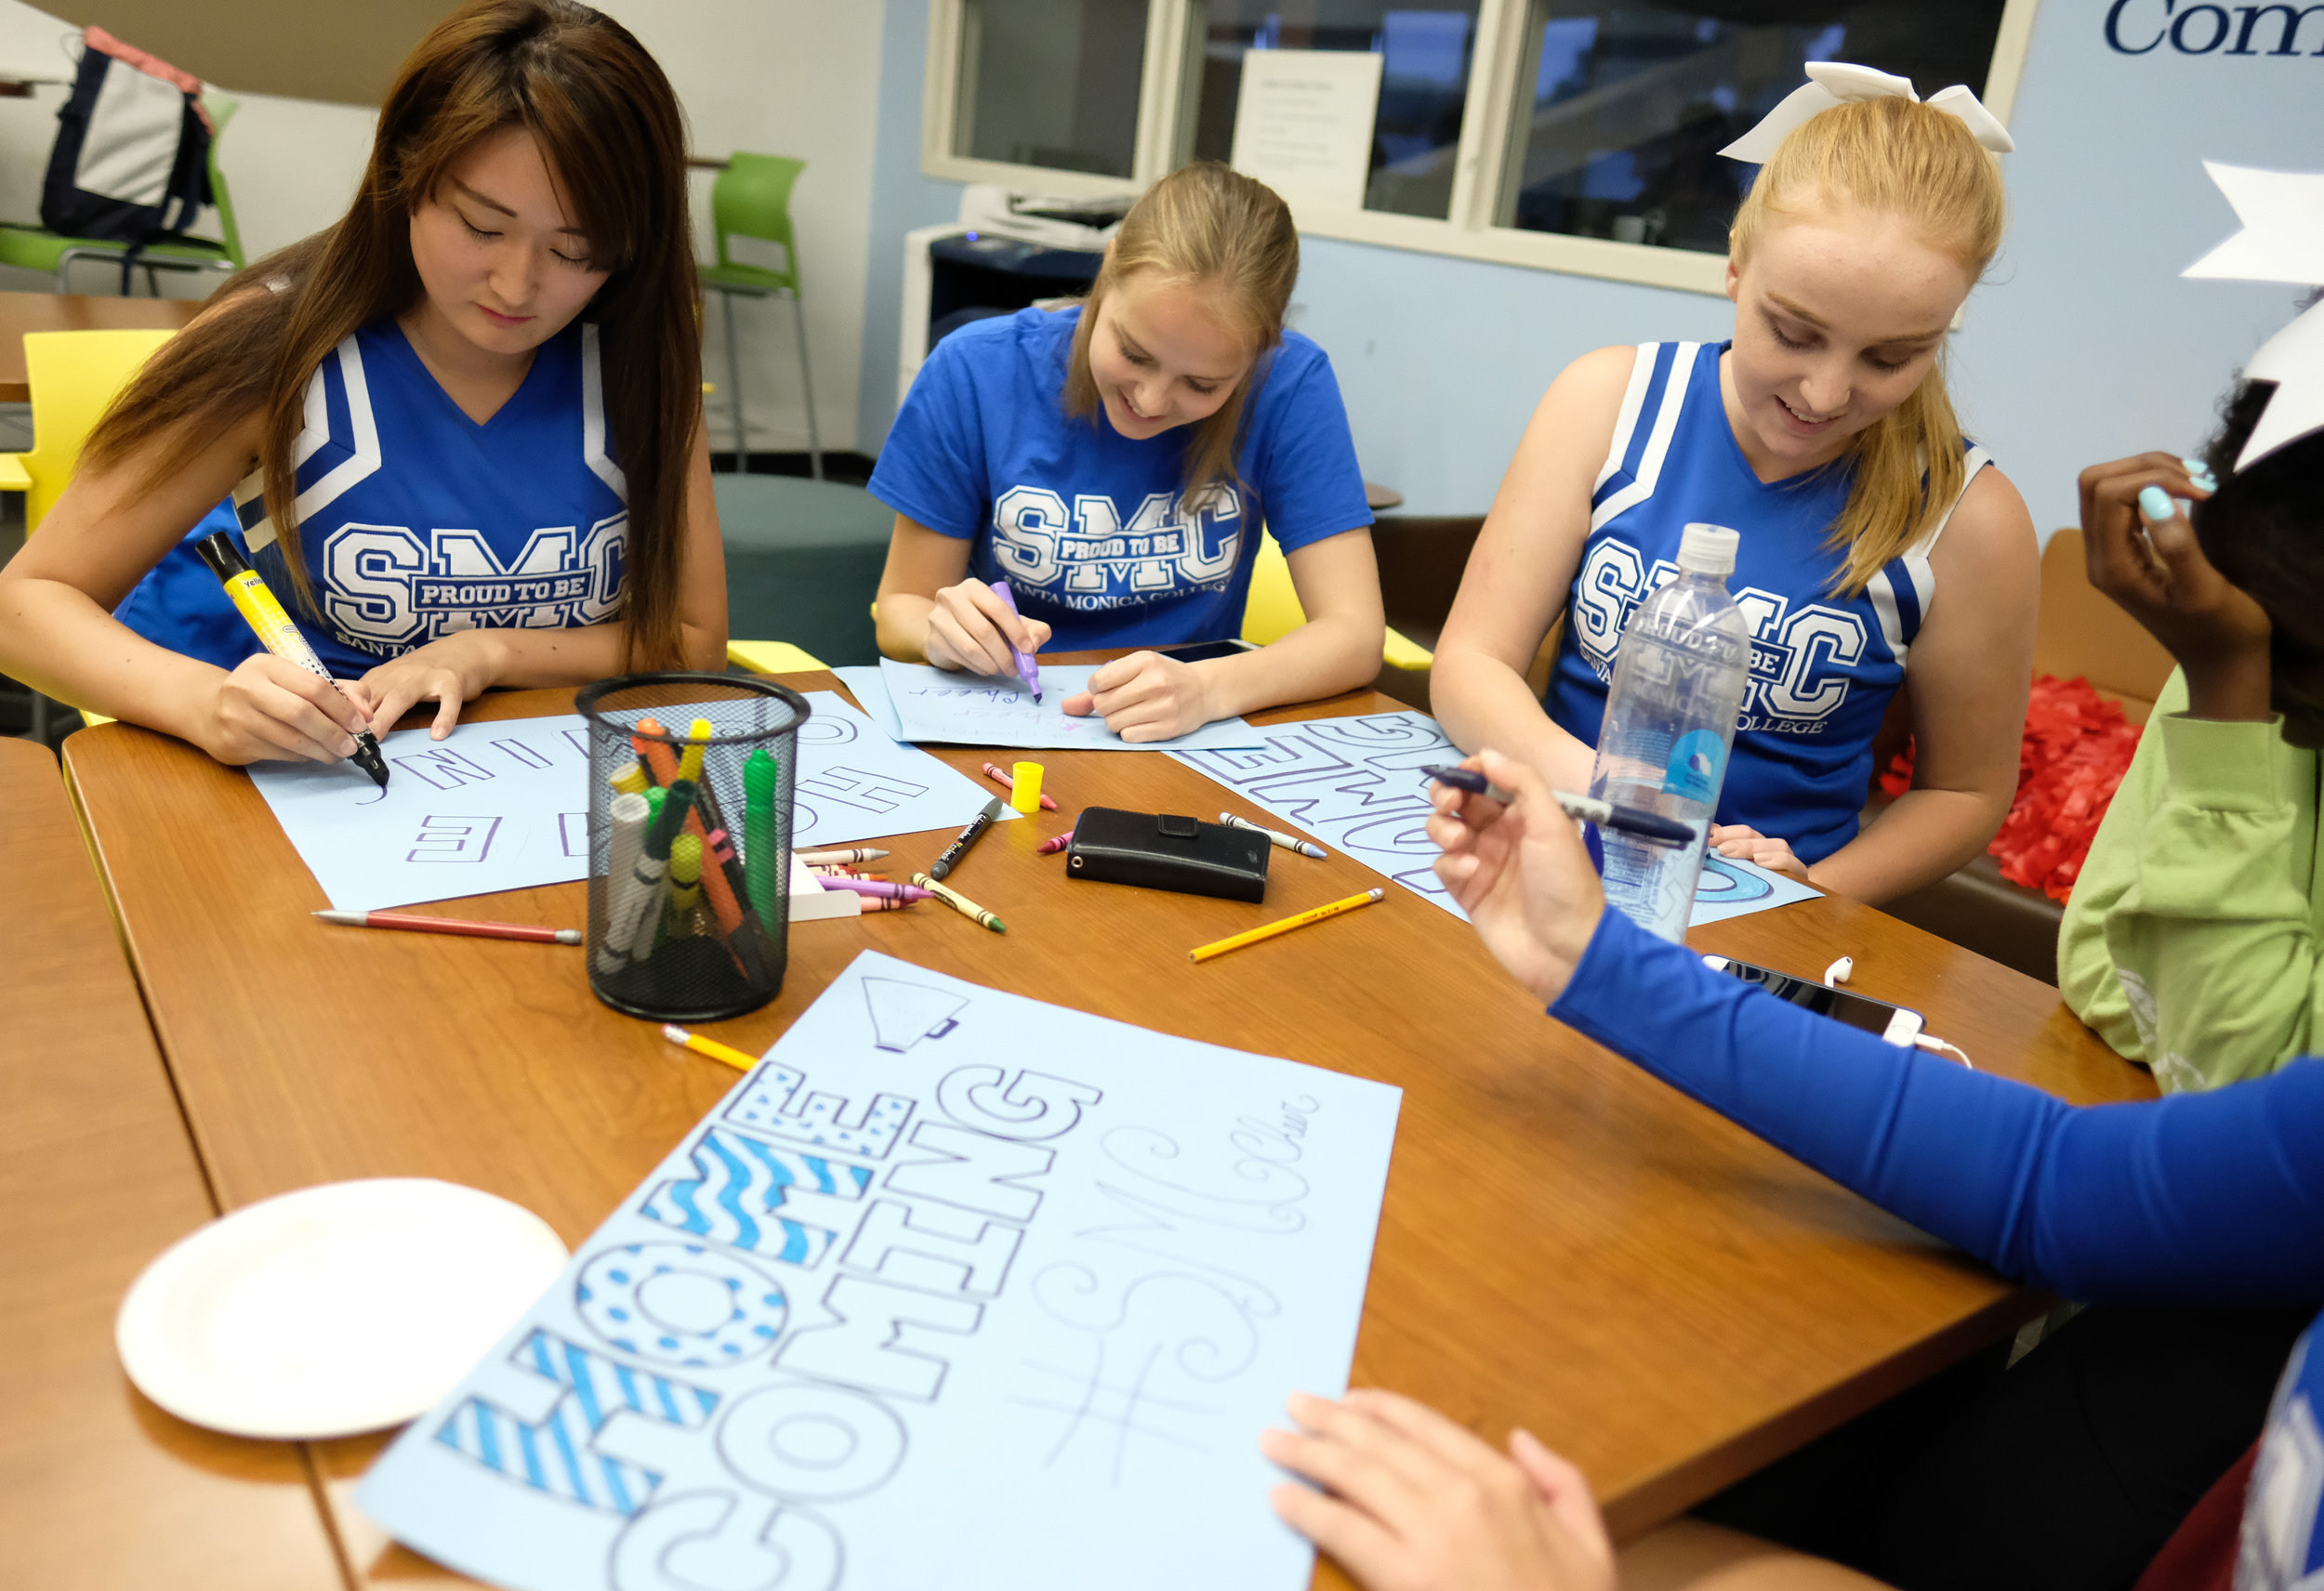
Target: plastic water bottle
x,y
1679,675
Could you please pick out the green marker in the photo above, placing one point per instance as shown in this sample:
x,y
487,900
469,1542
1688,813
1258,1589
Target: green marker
x,y
761,867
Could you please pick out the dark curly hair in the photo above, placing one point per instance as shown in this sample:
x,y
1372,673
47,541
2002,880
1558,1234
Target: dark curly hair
x,y
2263,528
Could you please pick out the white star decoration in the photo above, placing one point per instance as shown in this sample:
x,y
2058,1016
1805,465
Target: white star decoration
x,y
2282,240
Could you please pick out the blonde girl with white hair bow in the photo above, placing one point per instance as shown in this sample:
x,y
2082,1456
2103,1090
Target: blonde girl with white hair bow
x,y
1873,536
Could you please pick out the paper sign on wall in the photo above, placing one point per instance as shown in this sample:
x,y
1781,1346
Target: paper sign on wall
x,y
1303,122
955,1289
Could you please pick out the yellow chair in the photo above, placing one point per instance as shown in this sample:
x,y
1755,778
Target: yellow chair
x,y
772,657
74,377
1273,610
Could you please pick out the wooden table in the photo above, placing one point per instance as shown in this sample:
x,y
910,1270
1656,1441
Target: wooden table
x,y
98,1487
1565,1242
23,312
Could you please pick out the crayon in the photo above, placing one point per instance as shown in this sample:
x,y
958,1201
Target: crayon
x,y
1054,843
879,888
853,853
993,770
961,903
880,903
1275,836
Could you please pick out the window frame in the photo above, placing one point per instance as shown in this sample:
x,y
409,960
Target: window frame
x,y
1489,149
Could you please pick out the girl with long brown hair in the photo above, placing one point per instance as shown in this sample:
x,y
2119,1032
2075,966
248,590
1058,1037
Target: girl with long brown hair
x,y
463,426
1871,532
1114,462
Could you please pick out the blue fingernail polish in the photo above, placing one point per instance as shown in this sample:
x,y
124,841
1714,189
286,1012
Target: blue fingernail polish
x,y
2199,473
2155,503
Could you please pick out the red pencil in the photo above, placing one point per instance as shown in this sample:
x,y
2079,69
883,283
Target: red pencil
x,y
994,768
452,926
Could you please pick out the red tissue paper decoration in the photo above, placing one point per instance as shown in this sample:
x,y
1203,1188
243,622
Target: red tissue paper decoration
x,y
2077,745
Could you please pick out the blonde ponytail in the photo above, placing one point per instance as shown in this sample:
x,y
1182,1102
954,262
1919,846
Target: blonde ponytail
x,y
1894,157
1205,224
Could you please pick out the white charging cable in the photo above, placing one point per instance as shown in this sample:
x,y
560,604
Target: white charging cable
x,y
1936,1045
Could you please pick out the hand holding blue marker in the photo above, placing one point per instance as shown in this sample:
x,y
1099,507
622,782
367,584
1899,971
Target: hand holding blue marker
x,y
1027,670
1581,809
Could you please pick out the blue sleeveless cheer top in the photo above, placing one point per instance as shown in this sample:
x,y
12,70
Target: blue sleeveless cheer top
x,y
1823,666
414,522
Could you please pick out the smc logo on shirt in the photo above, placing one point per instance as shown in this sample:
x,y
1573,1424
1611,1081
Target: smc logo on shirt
x,y
389,588
1792,647
1090,559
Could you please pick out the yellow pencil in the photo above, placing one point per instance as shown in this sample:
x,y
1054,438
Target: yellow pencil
x,y
710,1047
1222,946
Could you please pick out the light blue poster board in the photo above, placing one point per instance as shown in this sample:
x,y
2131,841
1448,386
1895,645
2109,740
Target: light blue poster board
x,y
930,704
505,806
1355,784
956,1290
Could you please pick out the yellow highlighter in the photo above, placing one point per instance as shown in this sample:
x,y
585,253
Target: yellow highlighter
x,y
277,633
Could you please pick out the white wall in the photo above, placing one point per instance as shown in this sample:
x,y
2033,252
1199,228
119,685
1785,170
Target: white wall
x,y
794,77
789,77
2084,345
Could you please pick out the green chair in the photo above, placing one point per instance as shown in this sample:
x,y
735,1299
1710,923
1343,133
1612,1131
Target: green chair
x,y
35,248
750,207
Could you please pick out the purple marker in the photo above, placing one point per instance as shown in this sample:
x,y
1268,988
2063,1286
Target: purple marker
x,y
1027,670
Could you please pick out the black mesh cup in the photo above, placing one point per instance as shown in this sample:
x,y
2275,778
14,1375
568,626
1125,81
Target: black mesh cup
x,y
690,842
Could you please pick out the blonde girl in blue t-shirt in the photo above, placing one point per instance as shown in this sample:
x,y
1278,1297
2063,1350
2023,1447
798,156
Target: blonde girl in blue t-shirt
x,y
1114,461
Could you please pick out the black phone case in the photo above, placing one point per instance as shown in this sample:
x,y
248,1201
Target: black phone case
x,y
1164,850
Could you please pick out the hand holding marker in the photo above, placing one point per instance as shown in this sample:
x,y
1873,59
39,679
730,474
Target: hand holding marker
x,y
1581,809
277,633
1027,670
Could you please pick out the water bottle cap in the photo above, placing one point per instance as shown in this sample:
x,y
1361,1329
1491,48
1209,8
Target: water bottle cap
x,y
1707,549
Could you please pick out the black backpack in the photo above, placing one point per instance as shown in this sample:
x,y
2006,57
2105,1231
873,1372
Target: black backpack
x,y
132,160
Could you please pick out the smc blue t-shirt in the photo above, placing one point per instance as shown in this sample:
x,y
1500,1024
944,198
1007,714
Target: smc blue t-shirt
x,y
1091,528
414,521
1824,666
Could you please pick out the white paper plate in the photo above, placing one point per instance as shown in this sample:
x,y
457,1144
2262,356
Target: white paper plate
x,y
334,1309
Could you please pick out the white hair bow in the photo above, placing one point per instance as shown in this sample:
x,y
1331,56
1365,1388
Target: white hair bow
x,y
1834,83
2282,240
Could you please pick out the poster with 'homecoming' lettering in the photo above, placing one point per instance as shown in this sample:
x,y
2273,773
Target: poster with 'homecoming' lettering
x,y
955,1289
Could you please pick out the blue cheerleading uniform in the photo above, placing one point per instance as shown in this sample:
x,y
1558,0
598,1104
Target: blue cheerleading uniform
x,y
1093,530
415,523
1823,666
2212,1199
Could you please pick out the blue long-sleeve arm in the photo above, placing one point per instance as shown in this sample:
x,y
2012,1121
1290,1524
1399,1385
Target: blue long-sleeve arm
x,y
2201,1198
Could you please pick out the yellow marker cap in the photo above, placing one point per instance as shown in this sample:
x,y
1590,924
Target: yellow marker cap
x,y
689,760
1025,794
629,781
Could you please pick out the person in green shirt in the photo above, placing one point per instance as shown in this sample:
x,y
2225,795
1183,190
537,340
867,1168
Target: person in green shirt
x,y
2194,941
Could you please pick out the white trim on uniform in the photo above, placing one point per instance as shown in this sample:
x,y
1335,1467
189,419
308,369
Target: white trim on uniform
x,y
1657,440
1918,569
1641,374
361,463
593,417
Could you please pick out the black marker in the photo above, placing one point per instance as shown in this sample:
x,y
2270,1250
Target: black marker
x,y
969,837
277,633
1581,809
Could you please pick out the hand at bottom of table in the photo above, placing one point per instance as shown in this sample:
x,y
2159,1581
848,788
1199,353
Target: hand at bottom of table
x,y
1410,1501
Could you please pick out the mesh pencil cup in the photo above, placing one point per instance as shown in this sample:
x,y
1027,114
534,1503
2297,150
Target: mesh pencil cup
x,y
689,841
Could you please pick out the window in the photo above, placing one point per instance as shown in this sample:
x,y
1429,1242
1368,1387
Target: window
x,y
1050,83
1425,52
1628,106
1554,133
